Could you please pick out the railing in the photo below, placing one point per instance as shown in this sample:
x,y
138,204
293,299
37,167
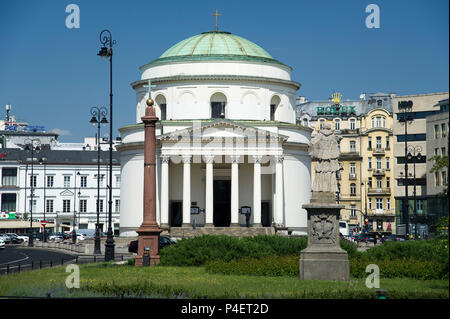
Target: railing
x,y
378,172
379,191
378,150
6,269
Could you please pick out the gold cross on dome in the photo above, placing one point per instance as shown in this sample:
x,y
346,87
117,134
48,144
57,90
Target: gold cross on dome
x,y
216,15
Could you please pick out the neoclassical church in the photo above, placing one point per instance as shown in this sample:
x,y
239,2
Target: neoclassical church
x,y
230,157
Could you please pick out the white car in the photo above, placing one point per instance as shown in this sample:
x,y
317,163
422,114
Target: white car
x,y
81,237
2,244
25,238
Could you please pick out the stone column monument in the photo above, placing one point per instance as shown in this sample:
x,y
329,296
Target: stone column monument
x,y
149,231
324,259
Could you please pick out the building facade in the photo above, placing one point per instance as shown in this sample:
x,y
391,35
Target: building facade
x,y
437,146
64,185
229,151
365,179
414,139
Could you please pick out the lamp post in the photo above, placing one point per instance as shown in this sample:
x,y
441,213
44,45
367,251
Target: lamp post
x,y
43,160
106,39
32,145
414,155
74,234
405,108
98,117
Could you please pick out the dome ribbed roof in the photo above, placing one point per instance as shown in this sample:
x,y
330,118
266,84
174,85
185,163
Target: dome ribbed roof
x,y
213,46
216,43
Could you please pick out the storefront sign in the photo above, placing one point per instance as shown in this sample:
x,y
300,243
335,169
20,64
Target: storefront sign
x,y
336,109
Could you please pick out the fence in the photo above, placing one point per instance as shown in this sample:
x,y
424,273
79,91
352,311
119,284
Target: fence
x,y
34,265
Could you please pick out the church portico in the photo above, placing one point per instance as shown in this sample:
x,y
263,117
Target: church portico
x,y
219,190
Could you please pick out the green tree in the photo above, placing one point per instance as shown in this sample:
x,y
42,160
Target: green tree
x,y
441,162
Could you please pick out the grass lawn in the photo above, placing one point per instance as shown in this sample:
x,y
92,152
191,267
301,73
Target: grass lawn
x,y
97,280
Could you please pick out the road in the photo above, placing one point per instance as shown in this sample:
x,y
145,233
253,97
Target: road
x,y
12,256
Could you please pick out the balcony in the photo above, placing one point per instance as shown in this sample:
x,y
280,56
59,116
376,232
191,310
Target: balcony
x,y
352,176
379,191
378,172
378,151
381,213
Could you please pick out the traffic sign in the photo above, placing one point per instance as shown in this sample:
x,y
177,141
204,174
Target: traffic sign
x,y
43,223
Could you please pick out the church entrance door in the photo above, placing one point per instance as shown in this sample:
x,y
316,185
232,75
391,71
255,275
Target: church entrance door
x,y
266,219
222,203
176,214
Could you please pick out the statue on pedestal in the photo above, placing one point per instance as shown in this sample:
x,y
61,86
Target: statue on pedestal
x,y
324,148
323,258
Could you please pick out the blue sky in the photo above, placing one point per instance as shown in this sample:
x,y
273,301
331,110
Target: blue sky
x,y
52,76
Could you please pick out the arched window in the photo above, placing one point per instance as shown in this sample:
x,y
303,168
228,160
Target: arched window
x,y
305,121
273,106
352,189
337,124
218,103
321,123
161,102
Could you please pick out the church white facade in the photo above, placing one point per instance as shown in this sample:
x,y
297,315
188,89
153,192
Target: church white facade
x,y
229,154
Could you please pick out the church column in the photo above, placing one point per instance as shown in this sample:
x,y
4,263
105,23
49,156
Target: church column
x,y
187,190
165,191
234,191
257,191
279,212
209,191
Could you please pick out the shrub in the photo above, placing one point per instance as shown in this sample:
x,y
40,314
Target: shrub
x,y
198,250
428,250
400,268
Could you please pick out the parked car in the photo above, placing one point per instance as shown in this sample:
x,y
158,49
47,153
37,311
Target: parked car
x,y
364,237
81,237
15,239
56,237
24,237
5,238
2,244
163,242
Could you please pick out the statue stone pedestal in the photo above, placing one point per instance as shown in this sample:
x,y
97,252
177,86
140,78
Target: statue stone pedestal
x,y
323,258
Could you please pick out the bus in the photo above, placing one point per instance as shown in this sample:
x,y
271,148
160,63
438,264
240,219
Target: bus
x,y
343,228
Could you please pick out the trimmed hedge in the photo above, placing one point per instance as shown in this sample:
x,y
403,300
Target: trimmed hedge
x,y
400,268
198,250
289,266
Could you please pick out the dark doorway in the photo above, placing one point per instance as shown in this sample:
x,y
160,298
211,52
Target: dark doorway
x,y
222,203
266,219
176,214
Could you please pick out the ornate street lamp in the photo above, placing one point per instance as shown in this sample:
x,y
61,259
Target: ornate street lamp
x,y
405,109
98,117
32,145
105,53
43,160
74,233
414,156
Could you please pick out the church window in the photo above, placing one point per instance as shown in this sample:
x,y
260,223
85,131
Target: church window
x,y
218,103
161,102
274,102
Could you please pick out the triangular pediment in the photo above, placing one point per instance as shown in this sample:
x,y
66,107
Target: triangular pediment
x,y
66,192
221,128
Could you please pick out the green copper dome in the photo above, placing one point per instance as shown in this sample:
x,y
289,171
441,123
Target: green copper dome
x,y
216,42
215,45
